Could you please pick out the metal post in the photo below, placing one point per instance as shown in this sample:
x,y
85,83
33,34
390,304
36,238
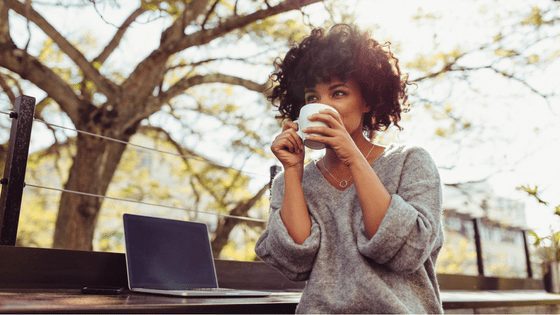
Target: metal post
x,y
14,169
478,244
527,255
274,169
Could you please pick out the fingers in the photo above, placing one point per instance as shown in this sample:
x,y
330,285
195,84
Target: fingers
x,y
295,140
329,117
321,130
290,140
287,124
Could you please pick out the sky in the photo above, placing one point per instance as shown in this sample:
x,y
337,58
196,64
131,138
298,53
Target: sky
x,y
510,123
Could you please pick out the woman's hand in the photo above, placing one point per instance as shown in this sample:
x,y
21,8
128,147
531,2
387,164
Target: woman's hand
x,y
334,135
288,146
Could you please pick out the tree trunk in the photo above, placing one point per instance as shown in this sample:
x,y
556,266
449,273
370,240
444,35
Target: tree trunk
x,y
226,225
93,167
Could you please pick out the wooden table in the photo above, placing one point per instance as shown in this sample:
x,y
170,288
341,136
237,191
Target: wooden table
x,y
73,301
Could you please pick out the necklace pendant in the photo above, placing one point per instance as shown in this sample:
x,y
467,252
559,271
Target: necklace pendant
x,y
343,183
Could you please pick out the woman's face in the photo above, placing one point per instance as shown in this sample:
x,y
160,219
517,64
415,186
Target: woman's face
x,y
345,97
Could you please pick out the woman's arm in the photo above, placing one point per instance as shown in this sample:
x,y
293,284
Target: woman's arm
x,y
277,247
294,212
411,229
374,197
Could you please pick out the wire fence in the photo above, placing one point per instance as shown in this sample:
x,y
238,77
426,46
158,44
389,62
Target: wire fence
x,y
11,114
145,148
144,203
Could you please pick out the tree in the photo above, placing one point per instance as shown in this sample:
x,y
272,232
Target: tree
x,y
115,108
117,105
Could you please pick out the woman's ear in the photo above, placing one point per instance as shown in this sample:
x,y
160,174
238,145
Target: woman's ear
x,y
365,106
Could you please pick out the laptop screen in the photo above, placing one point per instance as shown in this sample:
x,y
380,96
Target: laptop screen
x,y
168,254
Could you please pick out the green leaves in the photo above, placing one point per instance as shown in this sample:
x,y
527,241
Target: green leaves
x,y
549,245
533,192
536,239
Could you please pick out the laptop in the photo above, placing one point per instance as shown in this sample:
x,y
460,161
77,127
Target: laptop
x,y
172,257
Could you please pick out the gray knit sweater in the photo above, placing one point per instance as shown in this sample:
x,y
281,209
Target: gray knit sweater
x,y
394,271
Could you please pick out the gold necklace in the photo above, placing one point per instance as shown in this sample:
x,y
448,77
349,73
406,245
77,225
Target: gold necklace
x,y
343,183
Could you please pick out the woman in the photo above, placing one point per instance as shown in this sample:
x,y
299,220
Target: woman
x,y
363,224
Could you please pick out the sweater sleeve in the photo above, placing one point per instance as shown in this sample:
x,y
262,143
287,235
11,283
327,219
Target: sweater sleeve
x,y
277,248
411,229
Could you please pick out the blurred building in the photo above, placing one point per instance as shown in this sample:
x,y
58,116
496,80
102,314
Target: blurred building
x,y
477,200
501,222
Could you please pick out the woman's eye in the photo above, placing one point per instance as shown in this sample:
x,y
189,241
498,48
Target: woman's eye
x,y
310,98
339,93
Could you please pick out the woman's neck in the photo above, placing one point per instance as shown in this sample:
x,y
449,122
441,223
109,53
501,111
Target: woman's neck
x,y
363,144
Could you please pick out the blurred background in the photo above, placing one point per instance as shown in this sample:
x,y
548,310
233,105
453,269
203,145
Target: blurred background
x,y
182,83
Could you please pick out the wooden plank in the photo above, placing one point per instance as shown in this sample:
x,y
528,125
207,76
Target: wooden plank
x,y
24,267
475,283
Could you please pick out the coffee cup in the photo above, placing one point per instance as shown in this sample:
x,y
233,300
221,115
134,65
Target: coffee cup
x,y
304,122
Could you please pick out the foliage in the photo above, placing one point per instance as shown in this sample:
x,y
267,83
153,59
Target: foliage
x,y
548,246
142,176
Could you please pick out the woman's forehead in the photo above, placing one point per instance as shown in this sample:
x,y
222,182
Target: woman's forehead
x,y
350,83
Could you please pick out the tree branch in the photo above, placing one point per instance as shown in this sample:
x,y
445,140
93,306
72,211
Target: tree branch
x,y
29,68
174,40
114,43
149,73
235,22
154,104
181,150
4,23
15,82
177,30
444,69
530,87
212,8
184,152
105,85
6,88
226,225
190,82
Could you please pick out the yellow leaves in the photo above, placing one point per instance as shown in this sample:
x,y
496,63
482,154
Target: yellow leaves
x,y
96,65
533,192
228,90
423,15
291,29
498,37
423,63
533,58
172,7
534,18
230,108
458,255
440,132
246,252
50,53
427,63
501,52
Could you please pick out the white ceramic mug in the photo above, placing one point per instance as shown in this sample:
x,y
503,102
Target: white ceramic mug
x,y
303,122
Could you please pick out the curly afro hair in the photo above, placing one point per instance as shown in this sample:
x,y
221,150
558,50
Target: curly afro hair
x,y
343,53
